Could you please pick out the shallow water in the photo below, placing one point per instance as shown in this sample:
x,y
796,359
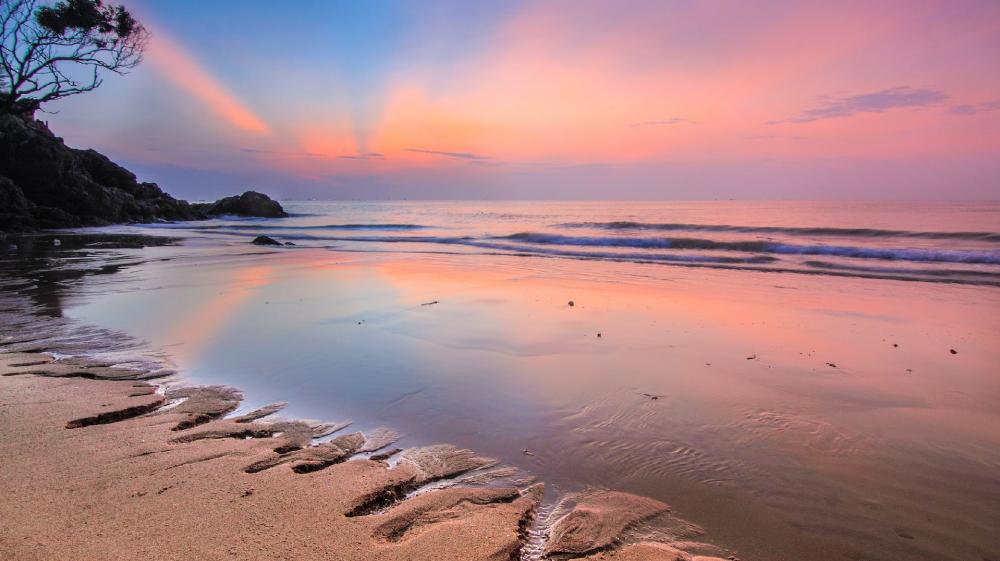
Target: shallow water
x,y
819,416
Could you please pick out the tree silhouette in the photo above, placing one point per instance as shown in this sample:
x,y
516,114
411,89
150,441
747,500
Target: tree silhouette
x,y
53,50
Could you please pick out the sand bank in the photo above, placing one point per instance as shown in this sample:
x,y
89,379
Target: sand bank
x,y
100,464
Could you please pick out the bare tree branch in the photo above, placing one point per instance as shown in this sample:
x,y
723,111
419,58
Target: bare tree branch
x,y
53,50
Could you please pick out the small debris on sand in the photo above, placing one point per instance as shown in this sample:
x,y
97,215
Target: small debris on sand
x,y
527,452
895,345
247,493
571,304
431,303
598,335
831,365
953,351
752,357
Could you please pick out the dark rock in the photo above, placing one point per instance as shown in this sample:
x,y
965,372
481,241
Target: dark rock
x,y
265,240
15,210
46,184
250,203
64,187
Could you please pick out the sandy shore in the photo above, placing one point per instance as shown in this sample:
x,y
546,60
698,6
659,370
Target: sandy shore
x,y
101,469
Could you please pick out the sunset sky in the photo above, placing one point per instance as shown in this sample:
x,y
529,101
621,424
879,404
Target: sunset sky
x,y
557,99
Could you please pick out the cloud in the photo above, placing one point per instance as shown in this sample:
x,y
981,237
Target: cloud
x,y
281,153
663,122
874,102
367,156
174,63
972,109
456,155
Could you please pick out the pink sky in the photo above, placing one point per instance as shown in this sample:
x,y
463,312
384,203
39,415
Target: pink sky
x,y
564,100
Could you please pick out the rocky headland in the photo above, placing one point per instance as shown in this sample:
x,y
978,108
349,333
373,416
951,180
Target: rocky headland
x,y
45,184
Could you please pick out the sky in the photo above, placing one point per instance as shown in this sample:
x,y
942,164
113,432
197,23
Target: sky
x,y
574,99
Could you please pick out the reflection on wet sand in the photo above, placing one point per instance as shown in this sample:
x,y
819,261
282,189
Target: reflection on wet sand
x,y
787,415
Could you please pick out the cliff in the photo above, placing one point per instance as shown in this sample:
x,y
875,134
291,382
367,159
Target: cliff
x,y
46,184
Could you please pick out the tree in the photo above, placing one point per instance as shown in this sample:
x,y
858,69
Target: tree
x,y
54,50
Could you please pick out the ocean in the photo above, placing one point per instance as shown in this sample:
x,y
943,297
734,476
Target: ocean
x,y
798,380
952,242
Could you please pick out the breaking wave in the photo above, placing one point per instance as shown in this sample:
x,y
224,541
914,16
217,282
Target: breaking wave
x,y
848,232
893,254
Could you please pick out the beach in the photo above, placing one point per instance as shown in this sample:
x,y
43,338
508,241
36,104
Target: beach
x,y
124,491
781,409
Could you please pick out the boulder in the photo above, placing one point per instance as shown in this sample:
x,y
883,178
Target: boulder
x,y
250,203
265,240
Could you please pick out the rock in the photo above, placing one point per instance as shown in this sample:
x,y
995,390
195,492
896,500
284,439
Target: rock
x,y
250,203
46,184
598,520
953,351
265,240
15,209
61,186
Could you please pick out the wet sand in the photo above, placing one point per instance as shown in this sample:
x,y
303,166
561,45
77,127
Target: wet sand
x,y
784,416
105,469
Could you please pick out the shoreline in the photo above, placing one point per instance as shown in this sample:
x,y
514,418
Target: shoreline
x,y
129,468
658,447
